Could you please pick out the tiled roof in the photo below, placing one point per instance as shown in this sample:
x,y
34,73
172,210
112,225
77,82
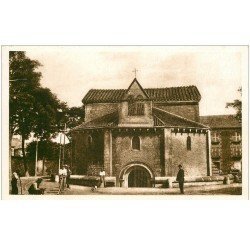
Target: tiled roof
x,y
220,121
161,117
171,120
184,93
109,120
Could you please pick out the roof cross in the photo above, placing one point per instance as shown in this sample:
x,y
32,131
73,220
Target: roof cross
x,y
134,71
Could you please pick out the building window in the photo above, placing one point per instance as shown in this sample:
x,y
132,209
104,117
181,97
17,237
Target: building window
x,y
215,137
135,108
235,150
136,143
188,143
236,137
215,151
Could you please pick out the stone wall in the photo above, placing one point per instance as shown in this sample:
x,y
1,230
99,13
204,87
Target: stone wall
x,y
189,111
94,110
194,162
84,154
149,153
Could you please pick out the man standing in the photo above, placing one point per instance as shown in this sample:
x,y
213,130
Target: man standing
x,y
62,178
68,176
180,178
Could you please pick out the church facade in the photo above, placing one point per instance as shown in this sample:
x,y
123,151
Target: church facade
x,y
139,136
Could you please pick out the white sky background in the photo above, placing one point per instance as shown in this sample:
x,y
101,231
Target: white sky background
x,y
72,70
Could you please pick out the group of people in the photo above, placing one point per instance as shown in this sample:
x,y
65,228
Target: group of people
x,y
34,187
64,179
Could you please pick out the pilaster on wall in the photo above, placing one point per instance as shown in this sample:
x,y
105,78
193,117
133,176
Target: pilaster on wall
x,y
107,161
168,152
209,165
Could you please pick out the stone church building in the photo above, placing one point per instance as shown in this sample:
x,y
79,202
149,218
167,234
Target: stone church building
x,y
139,136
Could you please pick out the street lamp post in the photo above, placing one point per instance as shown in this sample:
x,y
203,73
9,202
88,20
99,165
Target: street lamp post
x,y
63,151
36,157
59,164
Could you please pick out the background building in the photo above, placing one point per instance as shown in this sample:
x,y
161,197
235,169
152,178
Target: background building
x,y
226,142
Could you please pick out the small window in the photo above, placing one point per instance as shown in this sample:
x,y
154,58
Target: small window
x,y
90,140
188,143
139,97
215,151
237,137
136,143
215,137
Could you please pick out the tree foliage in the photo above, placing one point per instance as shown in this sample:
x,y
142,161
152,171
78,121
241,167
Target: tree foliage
x,y
237,105
32,107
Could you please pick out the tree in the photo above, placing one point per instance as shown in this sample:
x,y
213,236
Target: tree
x,y
32,108
47,150
23,80
237,105
74,116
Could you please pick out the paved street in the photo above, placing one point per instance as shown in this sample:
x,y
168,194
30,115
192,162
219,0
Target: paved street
x,y
52,189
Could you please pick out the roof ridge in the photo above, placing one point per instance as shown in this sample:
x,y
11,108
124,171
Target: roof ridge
x,y
149,88
216,115
178,116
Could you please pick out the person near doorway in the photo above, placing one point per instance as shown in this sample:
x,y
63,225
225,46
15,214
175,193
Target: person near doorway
x,y
180,178
68,176
34,187
14,180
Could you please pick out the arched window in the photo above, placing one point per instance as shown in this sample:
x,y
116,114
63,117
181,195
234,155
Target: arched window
x,y
90,140
188,143
136,143
139,97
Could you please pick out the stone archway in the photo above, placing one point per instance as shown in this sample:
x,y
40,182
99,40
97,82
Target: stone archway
x,y
136,175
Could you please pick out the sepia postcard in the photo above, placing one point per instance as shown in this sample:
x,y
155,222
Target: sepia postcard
x,y
165,122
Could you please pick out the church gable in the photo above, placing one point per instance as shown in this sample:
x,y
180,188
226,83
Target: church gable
x,y
135,91
136,107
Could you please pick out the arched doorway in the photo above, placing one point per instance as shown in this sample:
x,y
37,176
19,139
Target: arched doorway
x,y
136,175
139,177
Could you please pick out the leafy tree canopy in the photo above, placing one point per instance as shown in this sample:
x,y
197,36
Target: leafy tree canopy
x,y
237,105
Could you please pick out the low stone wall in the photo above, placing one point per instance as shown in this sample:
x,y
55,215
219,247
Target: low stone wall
x,y
166,182
90,181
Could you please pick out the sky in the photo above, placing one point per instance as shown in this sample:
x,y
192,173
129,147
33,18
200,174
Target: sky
x,y
71,71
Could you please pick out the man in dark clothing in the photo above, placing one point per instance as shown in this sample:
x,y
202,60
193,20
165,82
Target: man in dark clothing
x,y
68,176
180,178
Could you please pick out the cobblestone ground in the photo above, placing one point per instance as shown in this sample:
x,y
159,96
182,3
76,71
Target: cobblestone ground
x,y
52,189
